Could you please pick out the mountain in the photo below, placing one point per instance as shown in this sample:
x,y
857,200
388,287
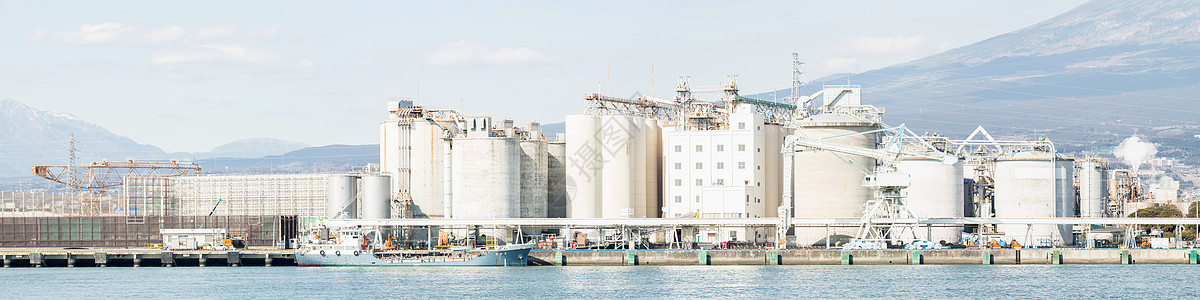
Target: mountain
x,y
331,158
257,147
31,137
1086,79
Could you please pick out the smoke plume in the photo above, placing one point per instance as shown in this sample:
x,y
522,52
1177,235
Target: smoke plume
x,y
1134,152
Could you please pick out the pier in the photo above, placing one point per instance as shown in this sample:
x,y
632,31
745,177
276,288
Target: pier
x,y
144,258
1046,256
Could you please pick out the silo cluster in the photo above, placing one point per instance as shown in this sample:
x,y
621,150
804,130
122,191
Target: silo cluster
x,y
612,167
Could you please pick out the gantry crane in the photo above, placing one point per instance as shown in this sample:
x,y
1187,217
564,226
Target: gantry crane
x,y
883,217
93,179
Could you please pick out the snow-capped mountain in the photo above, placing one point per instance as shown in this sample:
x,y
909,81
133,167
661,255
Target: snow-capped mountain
x,y
34,137
1085,78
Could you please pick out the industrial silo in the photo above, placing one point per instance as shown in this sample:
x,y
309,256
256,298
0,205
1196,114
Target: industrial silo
x,y
376,199
583,165
486,178
427,163
619,143
556,184
533,178
829,185
1030,185
653,134
1093,189
935,191
340,194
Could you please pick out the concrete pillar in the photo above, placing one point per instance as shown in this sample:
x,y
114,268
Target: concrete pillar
x,y
267,261
137,261
167,259
8,261
203,261
233,258
70,260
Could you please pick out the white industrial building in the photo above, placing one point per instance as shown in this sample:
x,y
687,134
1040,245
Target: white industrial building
x,y
732,172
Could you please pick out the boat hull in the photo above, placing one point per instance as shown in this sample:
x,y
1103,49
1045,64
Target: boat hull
x,y
507,257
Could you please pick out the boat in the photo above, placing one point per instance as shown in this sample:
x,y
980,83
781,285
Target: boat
x,y
353,248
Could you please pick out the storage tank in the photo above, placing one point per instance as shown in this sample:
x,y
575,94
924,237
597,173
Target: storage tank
x,y
533,178
1093,189
1030,185
620,139
486,178
583,165
935,191
427,170
376,199
826,186
341,195
652,207
556,183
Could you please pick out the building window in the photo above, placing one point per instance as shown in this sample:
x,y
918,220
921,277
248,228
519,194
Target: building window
x,y
741,165
719,182
747,199
697,199
758,127
699,182
741,125
720,165
678,182
720,148
742,147
699,166
699,148
758,167
678,148
678,199
678,166
760,183
758,149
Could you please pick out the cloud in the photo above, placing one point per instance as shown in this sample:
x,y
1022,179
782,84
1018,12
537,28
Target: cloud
x,y
88,34
198,99
230,61
841,65
214,32
124,34
463,54
886,47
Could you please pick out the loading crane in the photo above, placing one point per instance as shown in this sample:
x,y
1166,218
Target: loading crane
x,y
93,179
886,180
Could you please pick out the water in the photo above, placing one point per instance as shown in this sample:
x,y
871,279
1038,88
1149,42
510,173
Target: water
x,y
786,282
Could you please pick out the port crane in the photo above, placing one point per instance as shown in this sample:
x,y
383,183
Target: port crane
x,y
883,217
93,179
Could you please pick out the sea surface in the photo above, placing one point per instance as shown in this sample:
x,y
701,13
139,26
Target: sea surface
x,y
580,282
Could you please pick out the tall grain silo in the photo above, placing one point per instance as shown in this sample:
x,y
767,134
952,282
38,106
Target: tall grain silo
x,y
486,178
651,208
1093,188
341,196
620,140
935,191
829,185
583,165
1030,185
556,183
533,178
376,198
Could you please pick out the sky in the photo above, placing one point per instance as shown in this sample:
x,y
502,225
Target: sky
x,y
191,76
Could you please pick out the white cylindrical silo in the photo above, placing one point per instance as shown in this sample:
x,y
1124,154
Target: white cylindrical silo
x,y
653,135
829,185
935,191
1093,189
341,195
376,199
1027,185
583,166
556,184
619,138
637,153
533,178
486,178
